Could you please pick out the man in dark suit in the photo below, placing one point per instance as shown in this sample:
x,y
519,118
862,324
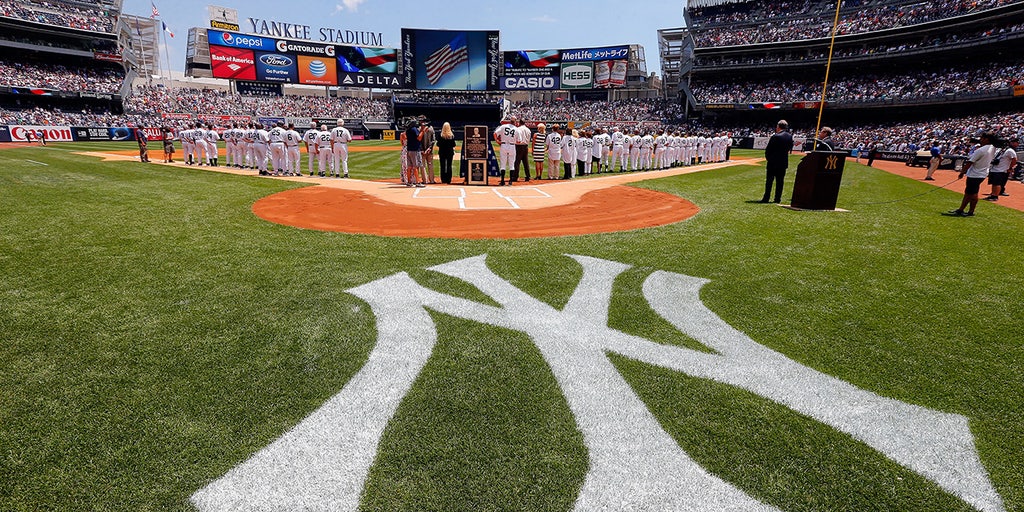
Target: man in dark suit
x,y
776,154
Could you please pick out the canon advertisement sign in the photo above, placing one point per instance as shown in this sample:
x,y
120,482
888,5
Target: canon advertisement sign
x,y
20,133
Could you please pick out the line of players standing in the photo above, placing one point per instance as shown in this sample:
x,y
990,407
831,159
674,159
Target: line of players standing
x,y
596,150
252,145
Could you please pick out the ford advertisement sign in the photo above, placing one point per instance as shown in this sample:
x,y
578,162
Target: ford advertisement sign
x,y
275,67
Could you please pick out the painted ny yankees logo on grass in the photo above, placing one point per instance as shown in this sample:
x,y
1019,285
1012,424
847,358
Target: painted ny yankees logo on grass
x,y
324,461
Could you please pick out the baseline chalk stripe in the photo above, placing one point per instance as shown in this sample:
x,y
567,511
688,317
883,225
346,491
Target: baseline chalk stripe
x,y
323,463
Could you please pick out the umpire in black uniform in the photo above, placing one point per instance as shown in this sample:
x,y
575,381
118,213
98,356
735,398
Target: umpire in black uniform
x,y
776,154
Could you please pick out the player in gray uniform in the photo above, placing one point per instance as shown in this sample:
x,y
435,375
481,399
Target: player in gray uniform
x,y
291,147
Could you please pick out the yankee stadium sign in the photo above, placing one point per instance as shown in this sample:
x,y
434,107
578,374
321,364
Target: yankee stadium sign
x,y
324,462
327,35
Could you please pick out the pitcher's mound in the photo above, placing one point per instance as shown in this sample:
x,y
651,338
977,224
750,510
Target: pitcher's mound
x,y
606,210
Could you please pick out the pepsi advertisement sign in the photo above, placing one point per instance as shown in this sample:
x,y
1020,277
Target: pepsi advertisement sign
x,y
276,67
233,40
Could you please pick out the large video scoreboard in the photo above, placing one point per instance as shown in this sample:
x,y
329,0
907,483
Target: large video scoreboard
x,y
457,60
249,57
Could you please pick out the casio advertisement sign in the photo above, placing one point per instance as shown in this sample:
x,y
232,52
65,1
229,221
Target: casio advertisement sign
x,y
577,75
510,83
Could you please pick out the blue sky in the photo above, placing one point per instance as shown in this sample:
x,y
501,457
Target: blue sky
x,y
529,25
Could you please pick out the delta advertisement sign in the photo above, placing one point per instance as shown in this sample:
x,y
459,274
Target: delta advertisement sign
x,y
249,57
579,68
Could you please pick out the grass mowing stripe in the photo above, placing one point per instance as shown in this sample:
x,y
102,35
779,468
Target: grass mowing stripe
x,y
156,334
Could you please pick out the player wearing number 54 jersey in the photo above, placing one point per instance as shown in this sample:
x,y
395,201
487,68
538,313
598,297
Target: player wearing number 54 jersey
x,y
505,135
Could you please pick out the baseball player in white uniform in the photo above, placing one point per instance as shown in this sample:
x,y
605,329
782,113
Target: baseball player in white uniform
x,y
212,152
569,154
311,138
229,145
340,137
584,151
277,150
259,153
596,151
620,153
505,135
660,146
634,150
250,146
325,157
240,145
291,148
187,147
201,149
554,147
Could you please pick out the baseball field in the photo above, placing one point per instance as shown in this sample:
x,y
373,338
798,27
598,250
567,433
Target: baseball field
x,y
165,348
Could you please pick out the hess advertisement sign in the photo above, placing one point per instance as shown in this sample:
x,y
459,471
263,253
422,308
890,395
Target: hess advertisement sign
x,y
577,75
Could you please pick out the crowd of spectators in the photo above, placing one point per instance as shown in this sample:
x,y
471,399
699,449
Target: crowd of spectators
x,y
601,111
456,99
100,18
749,23
57,117
154,100
999,31
903,86
954,135
57,77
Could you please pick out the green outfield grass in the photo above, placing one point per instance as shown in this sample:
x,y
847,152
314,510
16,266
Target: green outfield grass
x,y
155,334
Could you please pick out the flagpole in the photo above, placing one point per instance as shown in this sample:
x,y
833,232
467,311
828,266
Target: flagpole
x,y
828,67
167,53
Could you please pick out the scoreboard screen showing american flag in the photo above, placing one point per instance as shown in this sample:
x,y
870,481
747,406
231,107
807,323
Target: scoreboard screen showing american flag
x,y
463,60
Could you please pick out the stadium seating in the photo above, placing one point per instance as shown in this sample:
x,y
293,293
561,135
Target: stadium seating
x,y
100,18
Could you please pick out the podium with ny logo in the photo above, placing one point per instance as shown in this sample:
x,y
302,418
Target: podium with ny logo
x,y
817,180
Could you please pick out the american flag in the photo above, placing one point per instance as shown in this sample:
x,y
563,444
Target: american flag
x,y
155,11
445,58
